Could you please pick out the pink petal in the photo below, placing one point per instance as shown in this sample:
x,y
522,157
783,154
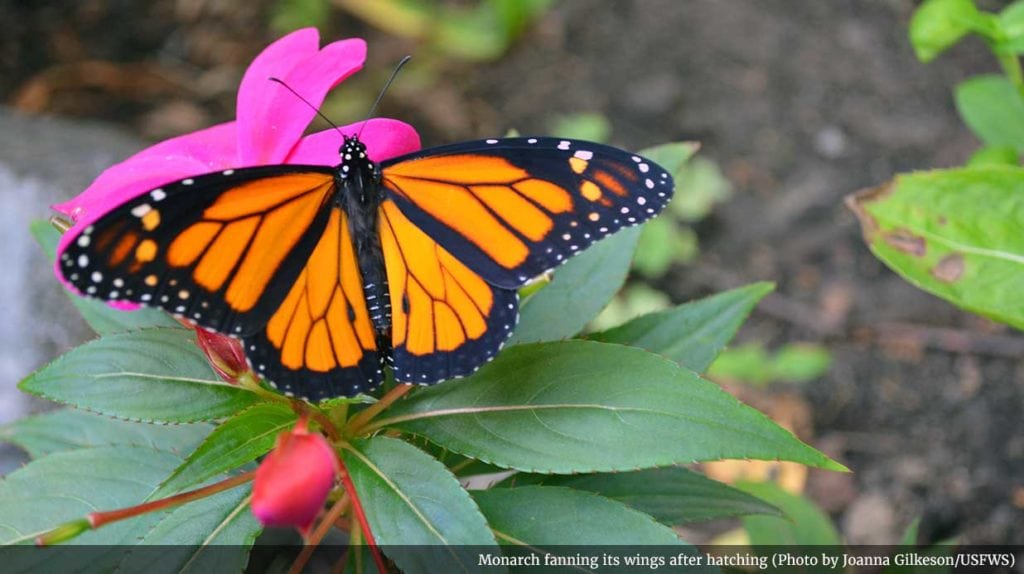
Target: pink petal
x,y
199,152
271,118
385,138
293,481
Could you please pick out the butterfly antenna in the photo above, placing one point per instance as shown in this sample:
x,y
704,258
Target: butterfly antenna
x,y
298,95
383,90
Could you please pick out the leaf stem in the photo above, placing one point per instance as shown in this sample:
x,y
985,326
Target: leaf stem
x,y
335,512
247,380
357,510
356,423
1012,68
302,408
95,520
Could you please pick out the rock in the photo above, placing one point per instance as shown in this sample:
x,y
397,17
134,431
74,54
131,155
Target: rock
x,y
870,520
43,160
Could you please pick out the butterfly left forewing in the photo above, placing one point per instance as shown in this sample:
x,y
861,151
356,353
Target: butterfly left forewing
x,y
220,249
446,320
513,208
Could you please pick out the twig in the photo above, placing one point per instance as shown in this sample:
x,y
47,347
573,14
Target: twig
x,y
950,339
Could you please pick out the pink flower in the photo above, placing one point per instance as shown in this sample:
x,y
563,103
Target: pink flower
x,y
268,130
224,354
293,481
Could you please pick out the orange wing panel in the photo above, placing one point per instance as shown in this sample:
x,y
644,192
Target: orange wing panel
x,y
445,319
322,332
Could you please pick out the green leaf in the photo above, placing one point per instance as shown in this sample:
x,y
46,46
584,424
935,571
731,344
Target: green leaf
x,y
752,364
70,429
239,440
558,516
663,241
1011,22
672,495
693,333
909,543
584,126
699,186
994,155
994,110
102,318
411,499
671,156
153,375
909,537
578,292
805,524
635,300
938,24
289,15
581,406
456,463
69,485
954,233
213,534
801,362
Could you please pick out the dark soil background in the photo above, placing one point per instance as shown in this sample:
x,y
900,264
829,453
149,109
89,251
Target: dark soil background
x,y
800,103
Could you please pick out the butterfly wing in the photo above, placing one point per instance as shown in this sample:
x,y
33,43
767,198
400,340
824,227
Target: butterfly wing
x,y
221,250
511,209
446,320
320,342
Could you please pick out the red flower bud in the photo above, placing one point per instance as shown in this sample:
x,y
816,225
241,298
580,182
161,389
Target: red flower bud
x,y
293,481
224,353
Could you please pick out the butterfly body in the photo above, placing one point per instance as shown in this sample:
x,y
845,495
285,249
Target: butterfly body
x,y
359,195
328,274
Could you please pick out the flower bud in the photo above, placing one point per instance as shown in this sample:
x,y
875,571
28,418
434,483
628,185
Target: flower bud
x,y
224,353
293,481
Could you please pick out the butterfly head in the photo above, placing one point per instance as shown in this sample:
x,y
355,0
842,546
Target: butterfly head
x,y
357,173
354,160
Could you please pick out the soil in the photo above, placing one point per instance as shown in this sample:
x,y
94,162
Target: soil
x,y
800,103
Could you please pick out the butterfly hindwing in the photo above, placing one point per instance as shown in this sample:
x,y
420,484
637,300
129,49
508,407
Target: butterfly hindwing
x,y
513,208
321,342
221,249
446,320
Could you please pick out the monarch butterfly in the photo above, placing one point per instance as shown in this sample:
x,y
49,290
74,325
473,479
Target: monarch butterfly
x,y
327,274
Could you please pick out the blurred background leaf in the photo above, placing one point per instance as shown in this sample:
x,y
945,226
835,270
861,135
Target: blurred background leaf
x,y
753,364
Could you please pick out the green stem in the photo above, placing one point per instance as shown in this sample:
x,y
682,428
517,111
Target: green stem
x,y
248,381
95,520
359,421
338,415
1012,68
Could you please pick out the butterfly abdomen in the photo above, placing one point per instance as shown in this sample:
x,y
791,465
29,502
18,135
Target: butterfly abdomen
x,y
360,197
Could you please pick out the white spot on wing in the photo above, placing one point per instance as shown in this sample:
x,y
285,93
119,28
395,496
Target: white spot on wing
x,y
584,154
